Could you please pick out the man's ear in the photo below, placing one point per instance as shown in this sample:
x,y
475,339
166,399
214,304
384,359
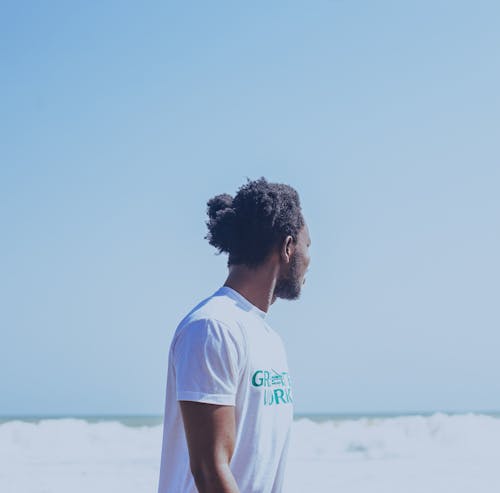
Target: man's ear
x,y
287,249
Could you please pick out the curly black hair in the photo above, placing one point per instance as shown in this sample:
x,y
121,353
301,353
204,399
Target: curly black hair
x,y
256,221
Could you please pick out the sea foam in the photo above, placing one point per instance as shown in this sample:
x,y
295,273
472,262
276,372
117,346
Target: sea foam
x,y
438,453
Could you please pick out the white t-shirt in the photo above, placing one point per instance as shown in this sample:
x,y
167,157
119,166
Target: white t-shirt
x,y
224,352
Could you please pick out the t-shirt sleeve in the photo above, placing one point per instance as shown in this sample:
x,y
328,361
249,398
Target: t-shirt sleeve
x,y
207,360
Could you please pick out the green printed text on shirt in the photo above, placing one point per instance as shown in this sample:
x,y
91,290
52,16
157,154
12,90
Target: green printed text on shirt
x,y
276,386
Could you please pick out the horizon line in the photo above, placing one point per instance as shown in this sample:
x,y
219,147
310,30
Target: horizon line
x,y
318,414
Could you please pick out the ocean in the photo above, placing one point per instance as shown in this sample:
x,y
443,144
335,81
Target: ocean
x,y
410,453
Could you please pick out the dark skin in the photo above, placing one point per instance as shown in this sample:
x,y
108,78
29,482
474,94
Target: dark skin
x,y
211,429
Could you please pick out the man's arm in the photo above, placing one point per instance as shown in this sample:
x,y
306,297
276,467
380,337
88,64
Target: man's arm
x,y
210,433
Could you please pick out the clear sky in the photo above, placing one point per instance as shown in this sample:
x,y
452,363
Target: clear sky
x,y
121,119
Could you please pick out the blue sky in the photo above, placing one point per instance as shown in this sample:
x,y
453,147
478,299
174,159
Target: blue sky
x,y
119,121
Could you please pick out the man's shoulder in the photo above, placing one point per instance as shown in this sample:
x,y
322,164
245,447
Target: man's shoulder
x,y
212,321
217,308
214,310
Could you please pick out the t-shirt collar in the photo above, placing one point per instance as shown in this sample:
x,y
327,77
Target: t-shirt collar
x,y
238,297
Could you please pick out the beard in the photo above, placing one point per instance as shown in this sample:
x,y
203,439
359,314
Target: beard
x,y
288,286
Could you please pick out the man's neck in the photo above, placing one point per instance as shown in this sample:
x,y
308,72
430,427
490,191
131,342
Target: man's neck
x,y
256,285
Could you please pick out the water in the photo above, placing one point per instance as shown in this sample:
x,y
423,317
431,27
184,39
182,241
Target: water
x,y
155,420
414,453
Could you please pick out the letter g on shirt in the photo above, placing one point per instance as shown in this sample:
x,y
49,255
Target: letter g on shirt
x,y
208,362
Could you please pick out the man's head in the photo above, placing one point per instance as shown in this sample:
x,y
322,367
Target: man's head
x,y
262,223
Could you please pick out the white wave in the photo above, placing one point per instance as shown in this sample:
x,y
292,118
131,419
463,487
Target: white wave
x,y
410,454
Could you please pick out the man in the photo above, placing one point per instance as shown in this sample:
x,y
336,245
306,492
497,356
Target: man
x,y
228,406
